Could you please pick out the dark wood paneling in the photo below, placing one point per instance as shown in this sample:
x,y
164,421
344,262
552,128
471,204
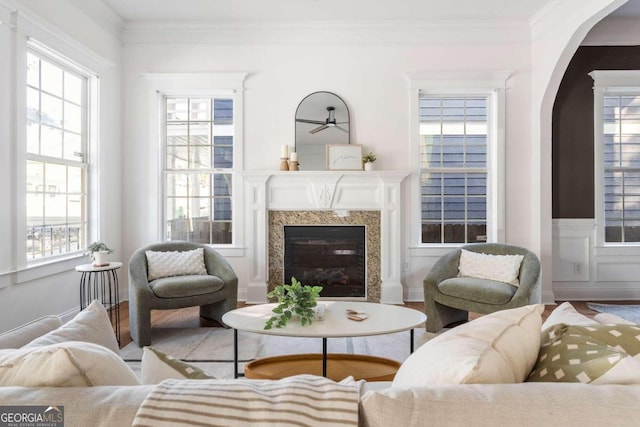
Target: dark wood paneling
x,y
572,139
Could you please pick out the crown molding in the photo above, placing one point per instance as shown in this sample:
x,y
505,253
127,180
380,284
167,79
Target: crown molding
x,y
372,32
102,14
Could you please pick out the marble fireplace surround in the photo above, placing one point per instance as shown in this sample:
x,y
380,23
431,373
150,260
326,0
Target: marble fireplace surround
x,y
370,219
340,196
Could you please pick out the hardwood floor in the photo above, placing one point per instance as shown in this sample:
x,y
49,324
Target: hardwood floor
x,y
190,318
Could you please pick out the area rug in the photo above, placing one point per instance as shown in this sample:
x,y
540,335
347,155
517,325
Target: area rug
x,y
211,349
628,312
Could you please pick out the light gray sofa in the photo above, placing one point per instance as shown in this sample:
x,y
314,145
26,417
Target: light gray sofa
x,y
526,404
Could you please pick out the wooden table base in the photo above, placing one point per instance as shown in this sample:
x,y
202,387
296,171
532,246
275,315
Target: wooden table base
x,y
339,366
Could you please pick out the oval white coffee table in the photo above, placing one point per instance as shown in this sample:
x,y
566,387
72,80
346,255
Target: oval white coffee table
x,y
382,319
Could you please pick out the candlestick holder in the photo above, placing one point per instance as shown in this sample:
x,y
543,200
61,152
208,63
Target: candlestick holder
x,y
293,165
284,164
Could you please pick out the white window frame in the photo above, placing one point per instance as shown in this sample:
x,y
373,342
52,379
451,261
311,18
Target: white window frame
x,y
493,85
607,82
89,78
164,85
26,28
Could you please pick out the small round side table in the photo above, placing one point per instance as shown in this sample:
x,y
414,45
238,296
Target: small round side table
x,y
101,283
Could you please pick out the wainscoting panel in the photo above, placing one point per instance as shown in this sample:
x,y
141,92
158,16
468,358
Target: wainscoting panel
x,y
582,271
618,271
571,259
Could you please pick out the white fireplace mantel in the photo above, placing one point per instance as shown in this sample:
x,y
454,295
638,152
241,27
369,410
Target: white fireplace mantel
x,y
320,190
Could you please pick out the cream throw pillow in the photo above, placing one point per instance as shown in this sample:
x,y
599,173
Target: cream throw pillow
x,y
158,366
500,347
566,313
500,268
174,263
68,364
90,325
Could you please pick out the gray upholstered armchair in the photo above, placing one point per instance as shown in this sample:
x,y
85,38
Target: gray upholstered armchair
x,y
448,298
215,293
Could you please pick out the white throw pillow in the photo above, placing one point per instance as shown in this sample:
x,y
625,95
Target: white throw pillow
x,y
90,325
158,366
567,314
68,364
501,268
174,263
500,347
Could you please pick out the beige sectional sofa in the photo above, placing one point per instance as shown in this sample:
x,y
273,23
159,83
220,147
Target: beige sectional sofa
x,y
381,404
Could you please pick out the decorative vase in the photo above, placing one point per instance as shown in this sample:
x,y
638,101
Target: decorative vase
x,y
368,166
100,258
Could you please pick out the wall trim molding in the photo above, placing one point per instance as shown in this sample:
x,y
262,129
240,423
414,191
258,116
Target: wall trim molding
x,y
340,33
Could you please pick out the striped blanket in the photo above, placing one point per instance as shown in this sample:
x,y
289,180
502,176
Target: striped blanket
x,y
303,400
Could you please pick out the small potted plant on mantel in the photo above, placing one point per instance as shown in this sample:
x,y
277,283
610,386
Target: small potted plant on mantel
x,y
368,161
294,300
98,252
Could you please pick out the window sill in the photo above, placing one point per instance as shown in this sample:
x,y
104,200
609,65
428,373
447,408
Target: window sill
x,y
42,269
229,251
433,250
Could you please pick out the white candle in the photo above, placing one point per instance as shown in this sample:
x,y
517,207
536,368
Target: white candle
x,y
284,151
294,156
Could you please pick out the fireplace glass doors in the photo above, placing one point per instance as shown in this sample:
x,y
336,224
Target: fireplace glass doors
x,y
331,256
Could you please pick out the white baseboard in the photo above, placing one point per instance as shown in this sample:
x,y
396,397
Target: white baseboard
x,y
602,292
414,295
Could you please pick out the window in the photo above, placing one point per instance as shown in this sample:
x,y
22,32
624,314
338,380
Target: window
x,y
617,155
56,170
621,144
453,168
458,123
199,164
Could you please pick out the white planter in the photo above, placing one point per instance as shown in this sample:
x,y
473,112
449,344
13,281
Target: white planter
x,y
368,166
100,258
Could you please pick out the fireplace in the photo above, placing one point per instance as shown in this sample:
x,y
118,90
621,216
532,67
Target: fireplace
x,y
278,199
331,256
335,224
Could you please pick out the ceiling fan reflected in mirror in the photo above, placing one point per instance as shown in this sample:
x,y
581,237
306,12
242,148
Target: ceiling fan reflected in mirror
x,y
330,122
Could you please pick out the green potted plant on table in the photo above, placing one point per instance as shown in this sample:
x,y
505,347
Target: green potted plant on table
x,y
368,161
98,251
294,300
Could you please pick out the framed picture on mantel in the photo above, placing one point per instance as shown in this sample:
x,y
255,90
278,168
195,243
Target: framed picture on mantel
x,y
344,157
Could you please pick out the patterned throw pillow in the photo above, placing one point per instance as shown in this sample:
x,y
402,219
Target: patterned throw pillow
x,y
593,354
500,268
175,263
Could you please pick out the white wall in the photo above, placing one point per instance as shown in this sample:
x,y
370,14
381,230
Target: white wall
x,y
30,292
369,75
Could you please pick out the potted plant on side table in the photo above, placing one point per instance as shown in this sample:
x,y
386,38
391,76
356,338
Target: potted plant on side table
x,y
294,300
98,252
